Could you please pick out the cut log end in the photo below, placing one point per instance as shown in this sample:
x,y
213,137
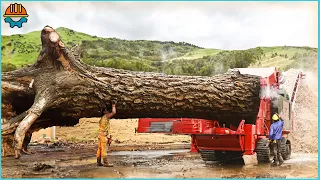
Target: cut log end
x,y
54,37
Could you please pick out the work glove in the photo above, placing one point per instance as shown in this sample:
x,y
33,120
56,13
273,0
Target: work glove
x,y
274,141
268,143
278,115
110,140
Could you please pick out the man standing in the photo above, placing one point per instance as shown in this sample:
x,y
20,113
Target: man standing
x,y
275,137
104,131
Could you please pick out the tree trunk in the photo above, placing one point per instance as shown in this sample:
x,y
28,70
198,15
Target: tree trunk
x,y
59,89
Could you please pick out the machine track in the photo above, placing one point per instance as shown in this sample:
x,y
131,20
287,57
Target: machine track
x,y
263,151
221,156
209,155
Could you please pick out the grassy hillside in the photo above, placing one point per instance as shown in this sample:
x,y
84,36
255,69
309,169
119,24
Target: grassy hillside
x,y
285,57
199,53
156,56
24,49
19,50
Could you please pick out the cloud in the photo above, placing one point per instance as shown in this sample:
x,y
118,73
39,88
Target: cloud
x,y
208,24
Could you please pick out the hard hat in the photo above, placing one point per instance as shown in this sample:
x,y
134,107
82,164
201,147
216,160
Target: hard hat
x,y
15,10
275,117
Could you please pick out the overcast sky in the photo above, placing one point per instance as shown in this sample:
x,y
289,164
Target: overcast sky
x,y
226,25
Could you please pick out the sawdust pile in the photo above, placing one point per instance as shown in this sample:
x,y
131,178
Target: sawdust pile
x,y
304,138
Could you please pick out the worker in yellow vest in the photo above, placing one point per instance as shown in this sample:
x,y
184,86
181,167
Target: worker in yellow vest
x,y
104,131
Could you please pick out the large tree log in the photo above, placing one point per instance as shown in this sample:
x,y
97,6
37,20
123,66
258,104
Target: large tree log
x,y
59,89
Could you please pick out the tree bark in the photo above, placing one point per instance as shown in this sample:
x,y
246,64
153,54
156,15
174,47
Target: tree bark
x,y
59,89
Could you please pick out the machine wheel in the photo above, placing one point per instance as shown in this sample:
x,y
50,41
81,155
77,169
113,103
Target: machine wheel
x,y
285,148
263,151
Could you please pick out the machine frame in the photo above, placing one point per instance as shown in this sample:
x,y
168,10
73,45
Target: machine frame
x,y
214,141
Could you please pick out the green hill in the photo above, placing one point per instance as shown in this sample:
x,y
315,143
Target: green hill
x,y
156,56
23,49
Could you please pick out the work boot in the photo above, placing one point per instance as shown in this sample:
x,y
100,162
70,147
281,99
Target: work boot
x,y
99,161
274,163
17,153
106,163
280,161
26,151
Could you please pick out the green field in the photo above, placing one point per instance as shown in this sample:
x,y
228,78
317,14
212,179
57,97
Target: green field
x,y
284,57
156,56
199,53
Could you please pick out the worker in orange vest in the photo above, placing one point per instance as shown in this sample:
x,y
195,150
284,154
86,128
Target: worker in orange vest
x,y
104,131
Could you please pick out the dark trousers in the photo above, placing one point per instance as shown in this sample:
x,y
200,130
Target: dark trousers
x,y
26,141
276,148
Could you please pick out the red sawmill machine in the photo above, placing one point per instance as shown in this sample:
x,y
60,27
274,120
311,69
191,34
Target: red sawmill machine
x,y
217,142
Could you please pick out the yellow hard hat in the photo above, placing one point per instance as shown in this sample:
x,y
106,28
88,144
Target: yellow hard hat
x,y
275,117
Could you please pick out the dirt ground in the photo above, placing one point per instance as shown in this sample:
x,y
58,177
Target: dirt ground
x,y
79,161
